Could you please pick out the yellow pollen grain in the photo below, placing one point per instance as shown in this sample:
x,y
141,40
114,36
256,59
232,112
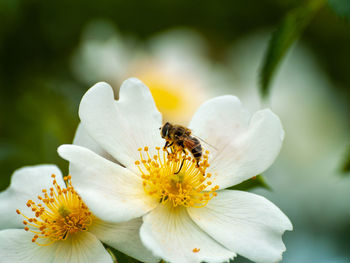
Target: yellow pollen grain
x,y
61,215
174,177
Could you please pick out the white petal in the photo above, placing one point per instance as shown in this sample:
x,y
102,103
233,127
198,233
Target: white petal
x,y
123,126
220,120
112,192
82,138
172,235
16,247
124,237
244,149
26,183
81,248
246,223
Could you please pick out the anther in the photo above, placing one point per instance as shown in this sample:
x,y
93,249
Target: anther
x,y
163,180
49,223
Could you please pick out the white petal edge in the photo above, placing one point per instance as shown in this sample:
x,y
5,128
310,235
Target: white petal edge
x,y
245,223
123,126
112,192
172,235
244,148
125,237
219,120
16,247
26,183
82,138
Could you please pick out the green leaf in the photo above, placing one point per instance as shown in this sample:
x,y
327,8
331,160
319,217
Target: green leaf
x,y
114,258
341,7
257,181
119,257
346,165
286,33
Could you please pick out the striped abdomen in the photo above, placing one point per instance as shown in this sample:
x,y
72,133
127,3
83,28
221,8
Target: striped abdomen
x,y
196,150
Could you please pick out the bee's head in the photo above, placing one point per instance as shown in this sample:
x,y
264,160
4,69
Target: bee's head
x,y
164,130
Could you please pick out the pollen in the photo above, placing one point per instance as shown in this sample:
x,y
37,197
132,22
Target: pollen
x,y
176,178
196,250
60,214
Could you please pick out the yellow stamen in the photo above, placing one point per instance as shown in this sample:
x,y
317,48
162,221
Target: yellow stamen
x,y
62,213
163,178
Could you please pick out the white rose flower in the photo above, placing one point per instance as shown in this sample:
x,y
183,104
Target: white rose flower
x,y
173,64
58,226
121,171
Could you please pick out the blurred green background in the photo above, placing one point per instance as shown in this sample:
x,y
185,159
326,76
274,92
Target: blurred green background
x,y
48,60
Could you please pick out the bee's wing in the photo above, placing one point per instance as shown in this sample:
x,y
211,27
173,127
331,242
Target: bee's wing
x,y
209,146
190,144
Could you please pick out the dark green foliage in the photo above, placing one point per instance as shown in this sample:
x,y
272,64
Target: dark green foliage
x,y
257,181
120,257
341,7
288,31
346,165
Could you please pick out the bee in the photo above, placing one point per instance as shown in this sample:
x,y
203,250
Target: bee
x,y
180,136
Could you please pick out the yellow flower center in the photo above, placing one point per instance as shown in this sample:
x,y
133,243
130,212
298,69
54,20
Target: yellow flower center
x,y
177,97
164,88
174,177
62,213
166,99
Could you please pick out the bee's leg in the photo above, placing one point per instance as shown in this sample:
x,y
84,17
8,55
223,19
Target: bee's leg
x,y
197,161
171,147
181,144
166,145
182,163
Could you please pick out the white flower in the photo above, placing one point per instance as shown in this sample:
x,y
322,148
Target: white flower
x,y
59,226
185,217
170,64
302,95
